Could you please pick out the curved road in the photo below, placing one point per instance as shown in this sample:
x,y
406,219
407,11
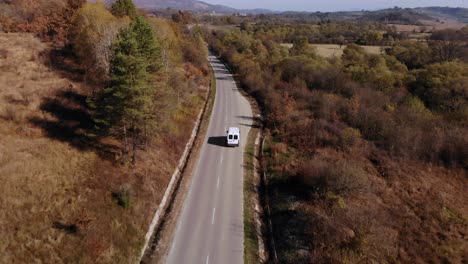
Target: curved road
x,y
210,228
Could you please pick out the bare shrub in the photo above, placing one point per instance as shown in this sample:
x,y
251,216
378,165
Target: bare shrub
x,y
349,137
11,113
341,177
278,149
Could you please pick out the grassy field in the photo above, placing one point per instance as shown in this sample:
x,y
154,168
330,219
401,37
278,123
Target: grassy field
x,y
431,25
62,199
225,28
332,50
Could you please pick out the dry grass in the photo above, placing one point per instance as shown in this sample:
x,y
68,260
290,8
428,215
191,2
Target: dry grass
x,y
333,50
58,196
431,25
40,177
224,28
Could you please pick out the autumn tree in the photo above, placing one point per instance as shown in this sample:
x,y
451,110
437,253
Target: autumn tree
x,y
444,87
412,53
124,8
182,17
448,44
370,38
93,31
301,47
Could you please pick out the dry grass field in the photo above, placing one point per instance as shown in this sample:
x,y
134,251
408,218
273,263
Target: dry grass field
x,y
431,25
333,50
60,196
224,28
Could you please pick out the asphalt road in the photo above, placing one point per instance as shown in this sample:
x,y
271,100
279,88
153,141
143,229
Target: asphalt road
x,y
210,228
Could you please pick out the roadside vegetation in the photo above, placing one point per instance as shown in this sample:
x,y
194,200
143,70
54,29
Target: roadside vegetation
x,y
75,187
365,153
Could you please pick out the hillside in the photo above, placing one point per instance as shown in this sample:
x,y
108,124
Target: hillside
x,y
460,14
191,5
395,16
402,16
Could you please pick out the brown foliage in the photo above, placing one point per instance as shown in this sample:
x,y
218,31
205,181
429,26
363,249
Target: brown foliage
x,y
360,170
50,20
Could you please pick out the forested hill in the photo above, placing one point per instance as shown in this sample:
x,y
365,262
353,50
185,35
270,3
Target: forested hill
x,y
392,15
458,13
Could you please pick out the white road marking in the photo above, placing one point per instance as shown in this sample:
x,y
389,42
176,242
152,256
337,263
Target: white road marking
x,y
212,218
217,183
208,259
222,157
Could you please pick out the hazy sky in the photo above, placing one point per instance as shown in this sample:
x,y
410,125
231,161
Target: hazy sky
x,y
333,5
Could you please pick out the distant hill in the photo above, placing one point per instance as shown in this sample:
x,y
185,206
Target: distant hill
x,y
190,5
392,15
396,16
458,13
408,16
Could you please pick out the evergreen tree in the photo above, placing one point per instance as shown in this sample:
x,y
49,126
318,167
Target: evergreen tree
x,y
124,8
148,46
124,108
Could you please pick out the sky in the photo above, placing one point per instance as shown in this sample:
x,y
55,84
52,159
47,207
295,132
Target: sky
x,y
333,5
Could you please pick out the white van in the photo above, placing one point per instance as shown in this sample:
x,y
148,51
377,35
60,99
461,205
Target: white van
x,y
233,137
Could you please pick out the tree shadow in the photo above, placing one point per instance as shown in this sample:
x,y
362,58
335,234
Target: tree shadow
x,y
254,125
256,121
221,71
64,61
66,118
226,78
67,228
218,141
255,118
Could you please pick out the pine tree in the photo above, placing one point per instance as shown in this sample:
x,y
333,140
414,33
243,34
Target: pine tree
x,y
124,108
147,44
124,8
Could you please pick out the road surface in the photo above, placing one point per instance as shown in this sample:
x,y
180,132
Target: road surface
x,y
210,228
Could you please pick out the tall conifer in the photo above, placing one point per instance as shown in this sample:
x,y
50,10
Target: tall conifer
x,y
124,108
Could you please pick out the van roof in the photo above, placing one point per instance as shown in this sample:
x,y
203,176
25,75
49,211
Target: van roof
x,y
233,130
